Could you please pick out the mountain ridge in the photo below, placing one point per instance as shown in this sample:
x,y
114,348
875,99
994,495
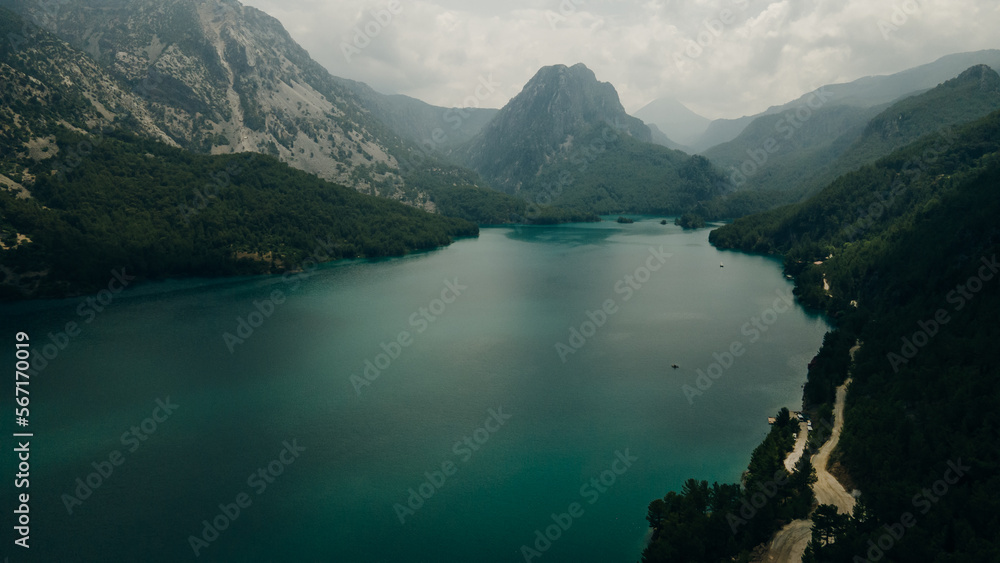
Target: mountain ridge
x,y
867,91
837,138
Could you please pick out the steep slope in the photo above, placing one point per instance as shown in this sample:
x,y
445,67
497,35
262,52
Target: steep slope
x,y
222,78
973,94
47,86
567,140
909,248
556,106
217,77
129,207
780,151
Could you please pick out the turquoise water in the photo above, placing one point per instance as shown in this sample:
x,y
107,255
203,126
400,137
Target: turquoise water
x,y
487,355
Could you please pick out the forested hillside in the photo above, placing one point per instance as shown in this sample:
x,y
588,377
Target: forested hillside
x,y
783,158
909,248
160,211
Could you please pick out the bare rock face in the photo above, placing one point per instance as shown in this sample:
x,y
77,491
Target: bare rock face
x,y
559,107
216,76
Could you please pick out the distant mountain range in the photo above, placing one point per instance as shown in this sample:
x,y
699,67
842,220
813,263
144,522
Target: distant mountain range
x,y
432,128
803,150
683,126
676,121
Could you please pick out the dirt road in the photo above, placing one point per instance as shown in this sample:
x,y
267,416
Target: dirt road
x,y
828,490
790,542
788,545
798,449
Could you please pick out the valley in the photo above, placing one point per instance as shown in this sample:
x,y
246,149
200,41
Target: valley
x,y
184,175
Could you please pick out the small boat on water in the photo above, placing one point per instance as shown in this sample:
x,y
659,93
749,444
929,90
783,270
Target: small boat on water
x,y
675,366
721,265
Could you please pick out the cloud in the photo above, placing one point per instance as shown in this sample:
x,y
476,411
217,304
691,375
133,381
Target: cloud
x,y
722,58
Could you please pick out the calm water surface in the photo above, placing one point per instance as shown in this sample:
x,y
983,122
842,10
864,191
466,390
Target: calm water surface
x,y
481,320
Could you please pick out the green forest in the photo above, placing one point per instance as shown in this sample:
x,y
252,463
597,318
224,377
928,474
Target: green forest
x,y
909,248
125,202
625,175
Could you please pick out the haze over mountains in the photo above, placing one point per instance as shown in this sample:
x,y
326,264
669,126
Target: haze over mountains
x,y
197,138
683,126
680,124
217,77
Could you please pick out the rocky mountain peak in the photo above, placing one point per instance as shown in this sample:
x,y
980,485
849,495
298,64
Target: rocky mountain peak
x,y
557,110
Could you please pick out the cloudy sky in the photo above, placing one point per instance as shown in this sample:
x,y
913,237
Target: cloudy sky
x,y
721,58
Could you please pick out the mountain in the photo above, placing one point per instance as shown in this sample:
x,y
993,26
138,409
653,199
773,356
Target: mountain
x,y
222,78
801,151
218,77
660,138
566,139
780,151
675,120
90,183
973,94
866,92
46,87
874,90
557,105
722,130
902,255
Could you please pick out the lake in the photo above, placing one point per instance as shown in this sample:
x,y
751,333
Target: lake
x,y
507,398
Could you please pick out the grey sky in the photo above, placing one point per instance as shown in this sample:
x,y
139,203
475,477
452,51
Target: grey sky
x,y
752,53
